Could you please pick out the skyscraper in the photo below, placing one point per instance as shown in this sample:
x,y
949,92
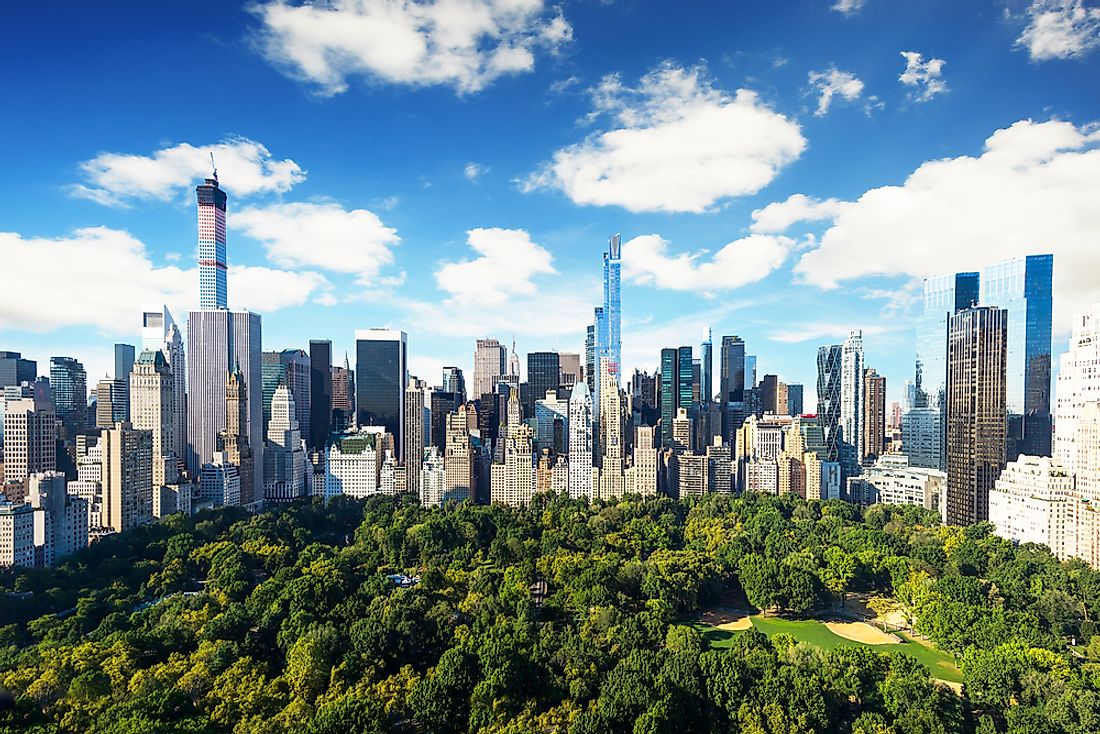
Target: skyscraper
x,y
976,416
221,342
127,476
851,402
685,382
290,367
414,436
30,437
151,406
944,295
459,458
794,400
570,363
212,262
15,370
284,455
111,402
708,368
668,393
320,392
590,354
124,365
343,397
1078,384
874,414
380,380
1022,286
750,371
828,398
235,445
612,304
489,365
454,381
543,373
159,332
580,441
611,445
69,383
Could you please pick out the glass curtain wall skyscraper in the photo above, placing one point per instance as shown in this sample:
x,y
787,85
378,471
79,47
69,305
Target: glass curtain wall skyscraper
x,y
212,264
1022,286
828,397
380,380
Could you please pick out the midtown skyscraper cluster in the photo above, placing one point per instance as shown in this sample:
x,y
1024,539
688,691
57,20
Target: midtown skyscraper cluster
x,y
211,418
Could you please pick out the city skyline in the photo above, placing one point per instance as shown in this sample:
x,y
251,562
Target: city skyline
x,y
373,258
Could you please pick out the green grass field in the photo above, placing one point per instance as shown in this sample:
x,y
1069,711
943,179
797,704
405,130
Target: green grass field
x,y
816,633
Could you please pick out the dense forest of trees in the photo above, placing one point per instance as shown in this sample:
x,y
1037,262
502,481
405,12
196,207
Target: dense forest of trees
x,y
560,617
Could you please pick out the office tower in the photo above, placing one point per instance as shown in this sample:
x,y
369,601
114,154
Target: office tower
x,y
1032,502
454,381
543,374
770,395
127,476
160,332
551,424
152,402
62,523
643,388
613,451
708,368
696,381
828,398
30,437
976,417
681,432
212,260
489,365
685,375
284,454
124,364
290,367
459,458
442,405
17,534
794,400
893,417
234,440
414,437
380,379
750,371
108,403
1022,286
320,393
590,354
874,414
668,393
1078,384
580,441
14,370
944,295
731,373
851,402
343,397
220,343
220,481
69,384
570,364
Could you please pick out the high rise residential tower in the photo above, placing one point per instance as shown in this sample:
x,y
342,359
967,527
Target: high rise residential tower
x,y
976,415
159,332
212,262
489,365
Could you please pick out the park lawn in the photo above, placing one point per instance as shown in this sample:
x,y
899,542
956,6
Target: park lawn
x,y
816,633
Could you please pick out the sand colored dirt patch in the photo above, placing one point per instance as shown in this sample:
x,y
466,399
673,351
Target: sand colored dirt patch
x,y
861,632
737,625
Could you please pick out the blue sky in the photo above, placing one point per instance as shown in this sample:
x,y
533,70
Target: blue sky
x,y
785,172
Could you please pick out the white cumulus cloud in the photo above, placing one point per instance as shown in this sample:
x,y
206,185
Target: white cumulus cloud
x,y
322,235
834,83
780,215
102,278
926,77
848,7
245,167
465,44
507,261
677,144
1033,190
647,260
1060,29
474,171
